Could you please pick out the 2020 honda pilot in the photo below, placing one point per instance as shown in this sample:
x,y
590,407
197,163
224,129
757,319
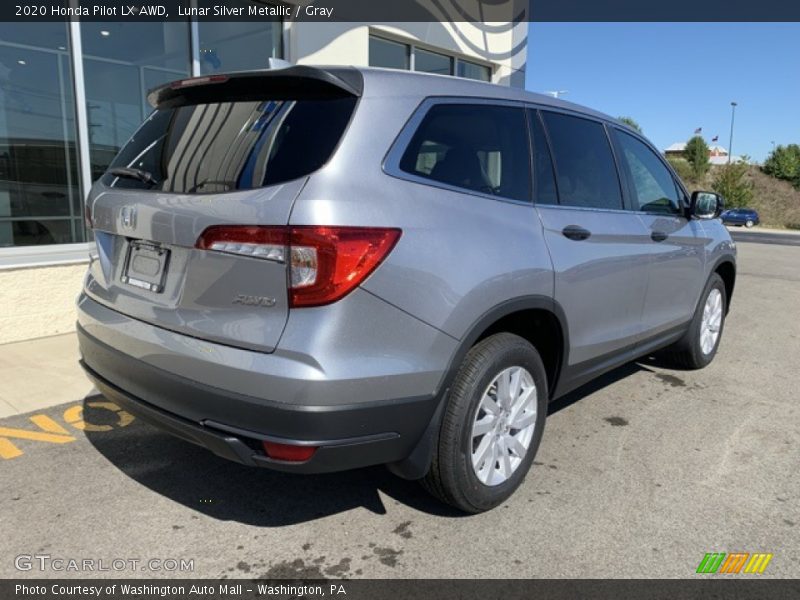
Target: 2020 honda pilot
x,y
316,269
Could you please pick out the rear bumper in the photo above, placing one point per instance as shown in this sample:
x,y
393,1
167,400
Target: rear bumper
x,y
347,436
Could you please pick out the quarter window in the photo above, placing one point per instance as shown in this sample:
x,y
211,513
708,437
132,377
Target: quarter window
x,y
477,147
585,168
652,188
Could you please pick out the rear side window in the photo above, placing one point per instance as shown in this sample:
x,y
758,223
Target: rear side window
x,y
652,186
228,146
585,169
476,147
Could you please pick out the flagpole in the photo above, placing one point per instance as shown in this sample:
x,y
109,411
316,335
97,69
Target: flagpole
x,y
730,145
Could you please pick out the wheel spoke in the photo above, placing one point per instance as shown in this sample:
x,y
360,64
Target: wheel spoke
x,y
489,405
491,461
524,420
503,458
484,426
513,444
503,389
525,399
515,385
482,452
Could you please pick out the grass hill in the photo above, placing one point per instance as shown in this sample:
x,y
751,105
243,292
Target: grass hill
x,y
777,201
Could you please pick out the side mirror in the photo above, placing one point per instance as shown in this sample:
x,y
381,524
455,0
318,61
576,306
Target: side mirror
x,y
706,205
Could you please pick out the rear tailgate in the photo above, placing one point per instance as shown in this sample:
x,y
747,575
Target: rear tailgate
x,y
233,151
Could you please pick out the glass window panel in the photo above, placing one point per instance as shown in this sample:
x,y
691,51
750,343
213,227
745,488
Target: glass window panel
x,y
473,146
383,53
121,62
38,155
254,143
237,45
31,232
432,62
473,71
585,168
652,186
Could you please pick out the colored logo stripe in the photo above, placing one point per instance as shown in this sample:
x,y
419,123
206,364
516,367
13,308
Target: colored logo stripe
x,y
711,562
758,563
734,562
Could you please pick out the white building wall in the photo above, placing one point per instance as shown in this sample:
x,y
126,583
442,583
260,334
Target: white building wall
x,y
502,46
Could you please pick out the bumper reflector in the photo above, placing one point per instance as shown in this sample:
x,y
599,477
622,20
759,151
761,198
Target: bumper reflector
x,y
288,452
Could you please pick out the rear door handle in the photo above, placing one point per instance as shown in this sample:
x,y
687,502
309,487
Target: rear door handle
x,y
658,236
576,232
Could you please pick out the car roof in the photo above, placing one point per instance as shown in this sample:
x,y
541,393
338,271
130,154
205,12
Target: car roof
x,y
395,82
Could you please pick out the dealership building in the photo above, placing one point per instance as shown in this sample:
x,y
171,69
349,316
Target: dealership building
x,y
72,93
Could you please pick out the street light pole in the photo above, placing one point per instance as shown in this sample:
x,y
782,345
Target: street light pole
x,y
730,144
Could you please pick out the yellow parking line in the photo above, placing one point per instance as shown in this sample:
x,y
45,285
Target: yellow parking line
x,y
52,432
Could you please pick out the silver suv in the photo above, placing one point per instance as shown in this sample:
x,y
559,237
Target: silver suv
x,y
317,269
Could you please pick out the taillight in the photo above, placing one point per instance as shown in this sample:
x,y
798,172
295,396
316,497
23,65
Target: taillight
x,y
325,263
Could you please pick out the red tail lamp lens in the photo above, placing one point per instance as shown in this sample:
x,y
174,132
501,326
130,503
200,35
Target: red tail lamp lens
x,y
288,452
325,263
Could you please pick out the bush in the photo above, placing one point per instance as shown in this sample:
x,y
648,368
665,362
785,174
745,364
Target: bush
x,y
696,154
731,183
784,163
682,168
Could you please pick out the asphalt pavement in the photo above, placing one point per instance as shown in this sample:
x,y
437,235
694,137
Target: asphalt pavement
x,y
639,475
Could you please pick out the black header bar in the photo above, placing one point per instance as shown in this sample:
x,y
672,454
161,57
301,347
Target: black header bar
x,y
485,11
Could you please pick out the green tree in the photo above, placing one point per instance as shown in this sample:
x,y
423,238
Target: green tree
x,y
630,122
696,154
731,182
784,163
682,168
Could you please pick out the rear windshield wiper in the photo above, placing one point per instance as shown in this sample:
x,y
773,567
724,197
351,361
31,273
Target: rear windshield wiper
x,y
132,173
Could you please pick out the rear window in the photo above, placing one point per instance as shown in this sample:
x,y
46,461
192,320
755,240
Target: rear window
x,y
476,147
229,146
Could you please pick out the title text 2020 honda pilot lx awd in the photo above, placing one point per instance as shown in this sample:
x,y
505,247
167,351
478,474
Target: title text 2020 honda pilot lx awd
x,y
315,269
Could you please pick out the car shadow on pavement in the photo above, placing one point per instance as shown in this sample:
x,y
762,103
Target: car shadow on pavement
x,y
593,386
200,480
196,478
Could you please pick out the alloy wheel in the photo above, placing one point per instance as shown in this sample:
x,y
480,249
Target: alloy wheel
x,y
712,321
503,427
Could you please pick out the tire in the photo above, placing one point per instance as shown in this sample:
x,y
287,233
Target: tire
x,y
749,224
452,477
689,352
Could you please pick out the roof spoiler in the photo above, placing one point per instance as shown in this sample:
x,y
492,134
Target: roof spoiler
x,y
299,82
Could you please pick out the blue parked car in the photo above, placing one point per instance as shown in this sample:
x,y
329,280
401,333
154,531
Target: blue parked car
x,y
740,216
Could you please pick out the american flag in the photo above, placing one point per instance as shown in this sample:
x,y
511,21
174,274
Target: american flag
x,y
715,138
698,130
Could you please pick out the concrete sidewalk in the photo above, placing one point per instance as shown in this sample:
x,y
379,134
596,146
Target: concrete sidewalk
x,y
40,373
